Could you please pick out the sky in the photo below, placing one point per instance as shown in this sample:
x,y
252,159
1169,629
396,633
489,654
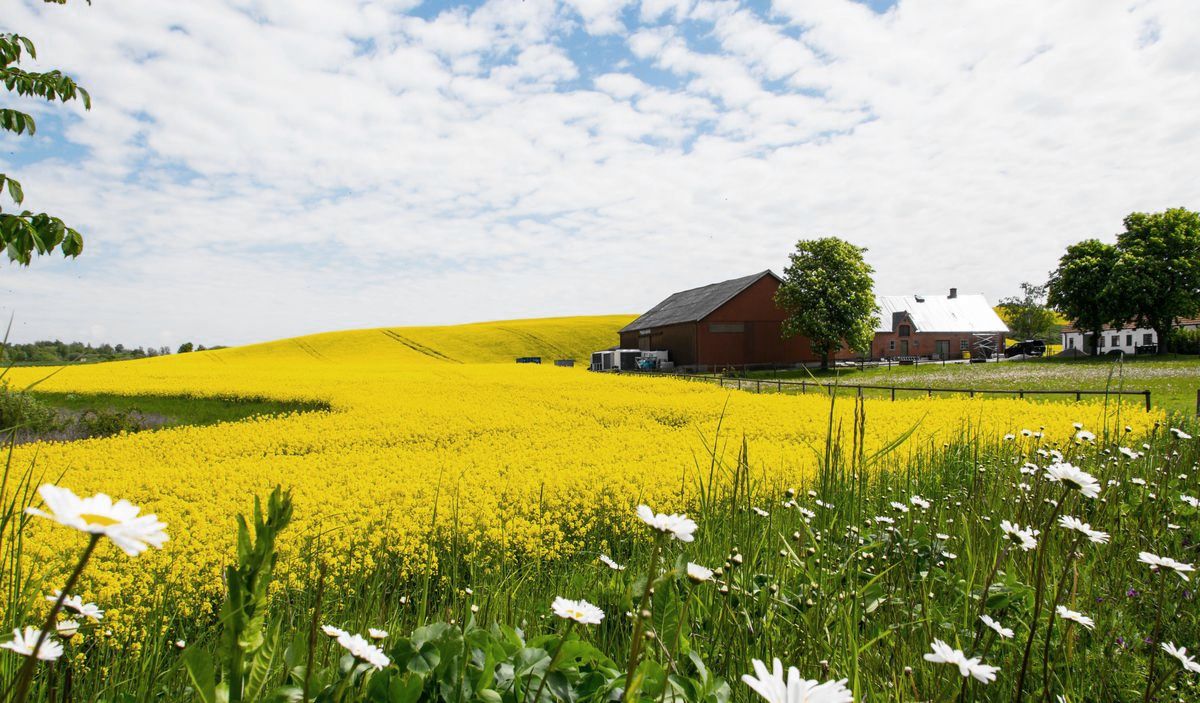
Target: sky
x,y
257,169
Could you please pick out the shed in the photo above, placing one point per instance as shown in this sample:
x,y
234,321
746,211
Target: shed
x,y
731,323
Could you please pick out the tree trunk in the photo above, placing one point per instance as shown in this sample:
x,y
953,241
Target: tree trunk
x,y
1163,329
1096,337
825,361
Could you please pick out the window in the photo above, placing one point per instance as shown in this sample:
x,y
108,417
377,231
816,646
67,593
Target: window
x,y
962,345
1070,342
726,327
1129,340
1148,338
645,333
1116,340
904,331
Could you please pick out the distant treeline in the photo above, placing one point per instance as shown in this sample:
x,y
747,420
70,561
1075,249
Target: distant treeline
x,y
56,352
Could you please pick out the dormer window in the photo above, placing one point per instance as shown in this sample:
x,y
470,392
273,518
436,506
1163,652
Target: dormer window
x,y
904,331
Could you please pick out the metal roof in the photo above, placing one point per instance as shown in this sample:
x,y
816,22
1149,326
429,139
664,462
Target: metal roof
x,y
695,304
941,313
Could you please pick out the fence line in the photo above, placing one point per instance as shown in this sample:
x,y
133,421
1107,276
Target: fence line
x,y
757,385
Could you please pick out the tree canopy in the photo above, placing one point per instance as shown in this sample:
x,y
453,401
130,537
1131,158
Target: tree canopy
x,y
828,295
1157,273
23,232
1026,314
1150,277
1081,289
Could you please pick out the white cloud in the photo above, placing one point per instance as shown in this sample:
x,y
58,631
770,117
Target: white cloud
x,y
256,170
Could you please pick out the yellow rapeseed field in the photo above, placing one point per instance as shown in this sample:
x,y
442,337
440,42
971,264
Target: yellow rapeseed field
x,y
521,458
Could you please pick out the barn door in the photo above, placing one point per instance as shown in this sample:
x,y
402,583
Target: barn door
x,y
903,347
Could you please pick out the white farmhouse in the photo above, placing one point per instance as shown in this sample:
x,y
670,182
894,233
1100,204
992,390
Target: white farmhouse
x,y
1127,338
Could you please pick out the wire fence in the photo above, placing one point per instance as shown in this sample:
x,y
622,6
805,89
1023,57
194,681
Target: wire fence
x,y
776,385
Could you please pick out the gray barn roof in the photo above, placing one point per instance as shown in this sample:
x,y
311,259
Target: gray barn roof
x,y
695,304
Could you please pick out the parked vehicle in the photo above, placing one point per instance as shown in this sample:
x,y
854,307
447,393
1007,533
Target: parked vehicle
x,y
1029,347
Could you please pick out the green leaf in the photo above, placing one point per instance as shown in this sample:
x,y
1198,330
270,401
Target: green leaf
x,y
405,689
199,666
426,659
15,191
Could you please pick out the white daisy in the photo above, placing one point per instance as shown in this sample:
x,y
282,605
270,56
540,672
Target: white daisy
x,y
363,650
377,634
698,573
23,642
333,632
884,519
1128,452
580,611
945,654
897,505
604,559
1074,478
1023,538
1180,434
919,502
760,512
1190,500
1085,436
1156,562
1068,614
1181,654
774,688
98,515
1078,525
76,605
678,526
1005,632
67,628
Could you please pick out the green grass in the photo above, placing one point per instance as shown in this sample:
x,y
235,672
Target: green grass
x,y
829,576
1173,383
176,410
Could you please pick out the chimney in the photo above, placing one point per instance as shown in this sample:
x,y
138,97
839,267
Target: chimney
x,y
953,293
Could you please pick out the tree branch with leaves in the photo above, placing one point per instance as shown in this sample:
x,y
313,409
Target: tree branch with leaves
x,y
24,232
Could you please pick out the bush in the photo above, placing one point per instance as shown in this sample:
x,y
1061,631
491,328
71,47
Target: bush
x,y
1185,341
106,423
20,409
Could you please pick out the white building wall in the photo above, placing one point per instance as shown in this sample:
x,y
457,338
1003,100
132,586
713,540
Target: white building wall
x,y
1127,340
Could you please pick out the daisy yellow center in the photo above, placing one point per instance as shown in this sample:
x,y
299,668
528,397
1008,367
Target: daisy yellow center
x,y
101,520
575,614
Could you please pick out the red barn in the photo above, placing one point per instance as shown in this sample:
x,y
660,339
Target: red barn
x,y
732,323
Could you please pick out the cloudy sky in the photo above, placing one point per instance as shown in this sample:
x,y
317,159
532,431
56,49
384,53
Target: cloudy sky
x,y
254,169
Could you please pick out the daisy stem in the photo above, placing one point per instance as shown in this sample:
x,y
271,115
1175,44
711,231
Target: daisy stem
x,y
635,647
1058,593
312,629
674,648
537,696
1154,645
25,674
1039,591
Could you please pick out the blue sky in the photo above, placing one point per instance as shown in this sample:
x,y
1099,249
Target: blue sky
x,y
253,170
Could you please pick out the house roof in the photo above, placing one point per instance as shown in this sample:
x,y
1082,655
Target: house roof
x,y
940,313
695,304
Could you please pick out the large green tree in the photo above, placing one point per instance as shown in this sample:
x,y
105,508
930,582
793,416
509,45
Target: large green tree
x,y
1026,314
827,293
1081,288
1157,273
23,232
